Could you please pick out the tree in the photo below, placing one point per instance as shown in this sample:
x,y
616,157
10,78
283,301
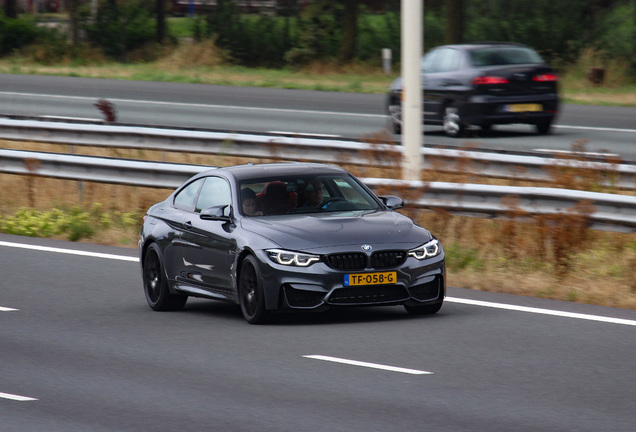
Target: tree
x,y
161,21
349,31
11,9
454,21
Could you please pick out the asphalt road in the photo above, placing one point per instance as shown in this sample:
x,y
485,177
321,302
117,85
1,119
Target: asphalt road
x,y
81,351
350,115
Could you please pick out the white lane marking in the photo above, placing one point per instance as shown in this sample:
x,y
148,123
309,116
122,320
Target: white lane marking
x,y
195,105
69,251
16,397
604,129
54,117
7,309
542,311
368,365
448,299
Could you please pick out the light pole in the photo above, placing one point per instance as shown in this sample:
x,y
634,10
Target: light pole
x,y
411,50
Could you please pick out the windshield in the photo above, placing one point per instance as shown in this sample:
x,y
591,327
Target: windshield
x,y
498,56
304,194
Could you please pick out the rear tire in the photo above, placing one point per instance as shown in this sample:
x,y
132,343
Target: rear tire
x,y
156,283
392,123
250,291
453,125
544,127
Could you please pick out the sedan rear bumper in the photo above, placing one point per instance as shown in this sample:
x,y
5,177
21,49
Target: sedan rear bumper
x,y
485,110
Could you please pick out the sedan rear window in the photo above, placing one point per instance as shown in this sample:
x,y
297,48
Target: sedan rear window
x,y
499,56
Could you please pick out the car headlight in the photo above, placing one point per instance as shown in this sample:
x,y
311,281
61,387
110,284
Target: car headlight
x,y
292,258
427,250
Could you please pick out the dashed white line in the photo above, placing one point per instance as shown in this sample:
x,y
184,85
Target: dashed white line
x,y
16,397
7,309
368,365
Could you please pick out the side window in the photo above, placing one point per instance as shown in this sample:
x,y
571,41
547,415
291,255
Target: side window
x,y
186,196
215,192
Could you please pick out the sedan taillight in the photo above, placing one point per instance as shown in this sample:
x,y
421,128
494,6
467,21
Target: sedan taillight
x,y
489,80
545,77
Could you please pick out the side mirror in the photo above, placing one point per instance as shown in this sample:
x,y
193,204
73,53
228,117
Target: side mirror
x,y
218,213
392,202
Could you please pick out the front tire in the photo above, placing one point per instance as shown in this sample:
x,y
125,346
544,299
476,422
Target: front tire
x,y
156,283
424,309
250,291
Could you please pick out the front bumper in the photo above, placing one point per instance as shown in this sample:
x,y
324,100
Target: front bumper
x,y
319,286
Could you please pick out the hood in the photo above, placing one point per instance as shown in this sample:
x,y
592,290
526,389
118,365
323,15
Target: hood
x,y
319,233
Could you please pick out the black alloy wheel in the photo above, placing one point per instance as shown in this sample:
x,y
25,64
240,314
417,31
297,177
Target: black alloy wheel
x,y
250,290
156,285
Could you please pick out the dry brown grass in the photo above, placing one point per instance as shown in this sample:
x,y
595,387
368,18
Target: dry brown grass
x,y
551,257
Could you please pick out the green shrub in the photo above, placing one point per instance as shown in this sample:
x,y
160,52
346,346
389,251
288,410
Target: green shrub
x,y
617,31
16,33
121,28
459,257
74,223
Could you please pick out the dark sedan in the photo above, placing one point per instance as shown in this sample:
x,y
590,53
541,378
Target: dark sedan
x,y
482,85
287,237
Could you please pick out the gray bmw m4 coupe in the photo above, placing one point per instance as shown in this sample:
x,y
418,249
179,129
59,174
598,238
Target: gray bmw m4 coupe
x,y
287,237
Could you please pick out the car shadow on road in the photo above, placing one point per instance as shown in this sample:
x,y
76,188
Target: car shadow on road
x,y
309,318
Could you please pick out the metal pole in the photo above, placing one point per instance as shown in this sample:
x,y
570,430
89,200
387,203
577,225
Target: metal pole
x,y
412,31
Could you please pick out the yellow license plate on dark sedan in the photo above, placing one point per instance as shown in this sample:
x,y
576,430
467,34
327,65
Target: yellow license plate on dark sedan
x,y
381,278
524,108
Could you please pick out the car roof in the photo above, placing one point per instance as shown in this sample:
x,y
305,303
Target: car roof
x,y
250,170
477,45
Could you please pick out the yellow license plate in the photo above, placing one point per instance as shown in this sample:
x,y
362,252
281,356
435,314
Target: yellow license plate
x,y
524,108
382,278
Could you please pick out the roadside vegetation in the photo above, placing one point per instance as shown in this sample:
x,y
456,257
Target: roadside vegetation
x,y
308,47
551,257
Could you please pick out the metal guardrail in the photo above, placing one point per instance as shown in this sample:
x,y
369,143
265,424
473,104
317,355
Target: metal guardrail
x,y
610,212
518,167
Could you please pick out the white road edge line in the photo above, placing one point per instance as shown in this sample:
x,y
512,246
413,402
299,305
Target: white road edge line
x,y
16,397
448,299
69,251
368,365
199,105
542,311
7,309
